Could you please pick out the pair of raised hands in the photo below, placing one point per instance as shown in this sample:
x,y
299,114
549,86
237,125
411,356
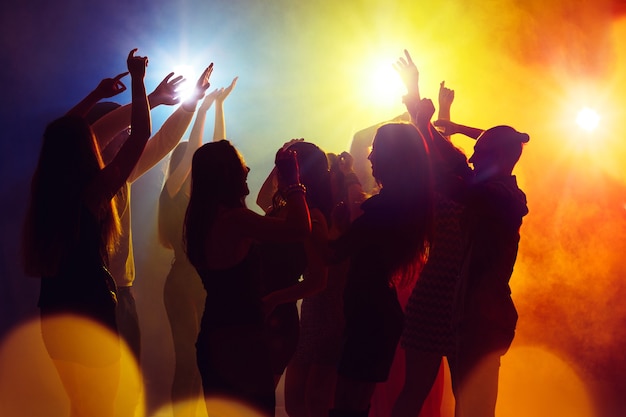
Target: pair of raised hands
x,y
166,92
424,108
110,87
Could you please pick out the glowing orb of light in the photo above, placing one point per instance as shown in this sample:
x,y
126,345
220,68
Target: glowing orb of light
x,y
588,119
385,85
185,89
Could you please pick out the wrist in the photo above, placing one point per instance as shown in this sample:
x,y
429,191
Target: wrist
x,y
153,102
96,95
294,189
190,105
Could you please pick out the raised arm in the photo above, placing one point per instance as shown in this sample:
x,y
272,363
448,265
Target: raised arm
x,y
449,128
446,97
410,76
448,160
112,123
107,88
219,131
297,223
113,176
444,121
172,130
264,198
179,174
352,186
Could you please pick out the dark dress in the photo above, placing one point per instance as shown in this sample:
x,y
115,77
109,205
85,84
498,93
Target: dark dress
x,y
373,314
84,288
232,351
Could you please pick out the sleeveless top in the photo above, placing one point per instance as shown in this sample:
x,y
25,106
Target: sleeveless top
x,y
233,294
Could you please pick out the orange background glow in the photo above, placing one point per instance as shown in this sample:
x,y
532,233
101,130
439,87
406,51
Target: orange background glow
x,y
317,70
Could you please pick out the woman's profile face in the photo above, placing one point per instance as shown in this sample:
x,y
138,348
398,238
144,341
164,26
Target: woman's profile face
x,y
245,178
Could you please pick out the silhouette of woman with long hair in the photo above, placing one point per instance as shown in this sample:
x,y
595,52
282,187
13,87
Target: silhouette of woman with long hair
x,y
294,271
183,294
221,235
70,227
311,375
386,245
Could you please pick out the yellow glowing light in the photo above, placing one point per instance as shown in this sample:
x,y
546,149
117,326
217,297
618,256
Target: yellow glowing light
x,y
588,119
27,368
384,85
562,391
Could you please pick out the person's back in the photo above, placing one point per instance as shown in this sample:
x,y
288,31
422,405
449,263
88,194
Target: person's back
x,y
233,293
233,356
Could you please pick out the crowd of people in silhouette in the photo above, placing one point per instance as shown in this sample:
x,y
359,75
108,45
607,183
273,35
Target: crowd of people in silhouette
x,y
439,227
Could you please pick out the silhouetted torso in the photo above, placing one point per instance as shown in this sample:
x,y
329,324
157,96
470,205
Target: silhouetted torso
x,y
83,285
373,314
233,357
233,294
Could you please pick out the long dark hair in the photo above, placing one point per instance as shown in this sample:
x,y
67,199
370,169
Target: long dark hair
x,y
401,163
69,161
218,179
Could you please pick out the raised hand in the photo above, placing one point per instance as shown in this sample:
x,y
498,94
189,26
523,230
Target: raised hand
x,y
345,162
110,87
167,91
209,99
409,73
136,64
425,110
202,84
224,92
287,168
446,95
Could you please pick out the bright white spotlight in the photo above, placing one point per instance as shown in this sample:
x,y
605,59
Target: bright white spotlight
x,y
588,119
385,85
186,89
